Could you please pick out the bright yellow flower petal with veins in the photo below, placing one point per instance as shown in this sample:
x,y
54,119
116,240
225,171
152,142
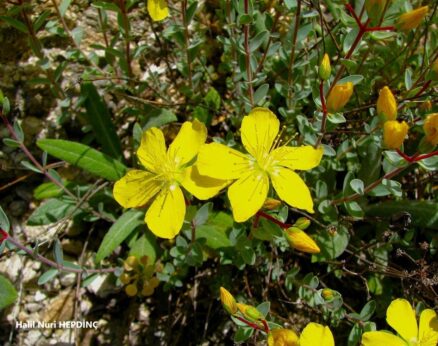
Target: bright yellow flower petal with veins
x,y
301,158
200,186
152,150
221,162
186,144
248,194
165,216
291,188
428,334
258,131
401,316
158,9
136,188
316,334
381,339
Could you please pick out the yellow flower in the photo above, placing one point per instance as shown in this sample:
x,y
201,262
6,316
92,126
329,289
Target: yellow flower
x,y
431,128
375,9
228,301
386,105
325,68
165,172
252,172
339,97
401,317
282,337
316,334
299,240
158,9
394,133
410,20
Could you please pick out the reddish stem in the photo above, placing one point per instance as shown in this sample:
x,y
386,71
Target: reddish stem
x,y
353,13
272,219
3,235
416,157
324,114
265,324
252,325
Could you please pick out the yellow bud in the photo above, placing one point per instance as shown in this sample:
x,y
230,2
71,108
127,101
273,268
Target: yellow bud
x,y
394,133
283,337
228,301
271,203
299,240
302,223
431,128
339,97
325,68
410,20
125,278
386,105
375,9
130,263
327,294
144,260
249,311
131,290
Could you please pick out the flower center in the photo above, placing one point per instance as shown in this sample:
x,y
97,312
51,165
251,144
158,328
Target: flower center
x,y
170,172
265,162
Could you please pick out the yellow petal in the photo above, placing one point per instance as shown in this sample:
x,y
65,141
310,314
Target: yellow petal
x,y
303,158
316,334
401,316
136,188
158,9
221,162
165,216
248,194
381,339
201,186
152,150
282,337
428,334
291,189
259,129
187,143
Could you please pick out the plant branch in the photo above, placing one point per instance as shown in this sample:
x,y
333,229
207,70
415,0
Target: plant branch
x,y
186,38
248,56
324,114
292,53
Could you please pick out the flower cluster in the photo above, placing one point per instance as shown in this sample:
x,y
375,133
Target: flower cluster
x,y
205,169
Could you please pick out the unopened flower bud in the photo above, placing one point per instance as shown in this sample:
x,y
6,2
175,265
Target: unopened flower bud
x,y
375,9
412,19
299,240
125,278
131,290
283,337
130,263
249,311
302,223
339,97
325,68
386,105
327,294
228,301
271,203
394,133
431,128
426,106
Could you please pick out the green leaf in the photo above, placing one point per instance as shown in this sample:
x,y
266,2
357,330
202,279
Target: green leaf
x,y
423,213
20,26
260,94
264,308
354,78
408,78
146,245
52,210
213,99
8,294
368,310
331,245
58,253
257,41
357,186
64,6
159,117
46,190
243,334
100,120
84,157
109,6
118,232
202,214
47,276
214,231
4,221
